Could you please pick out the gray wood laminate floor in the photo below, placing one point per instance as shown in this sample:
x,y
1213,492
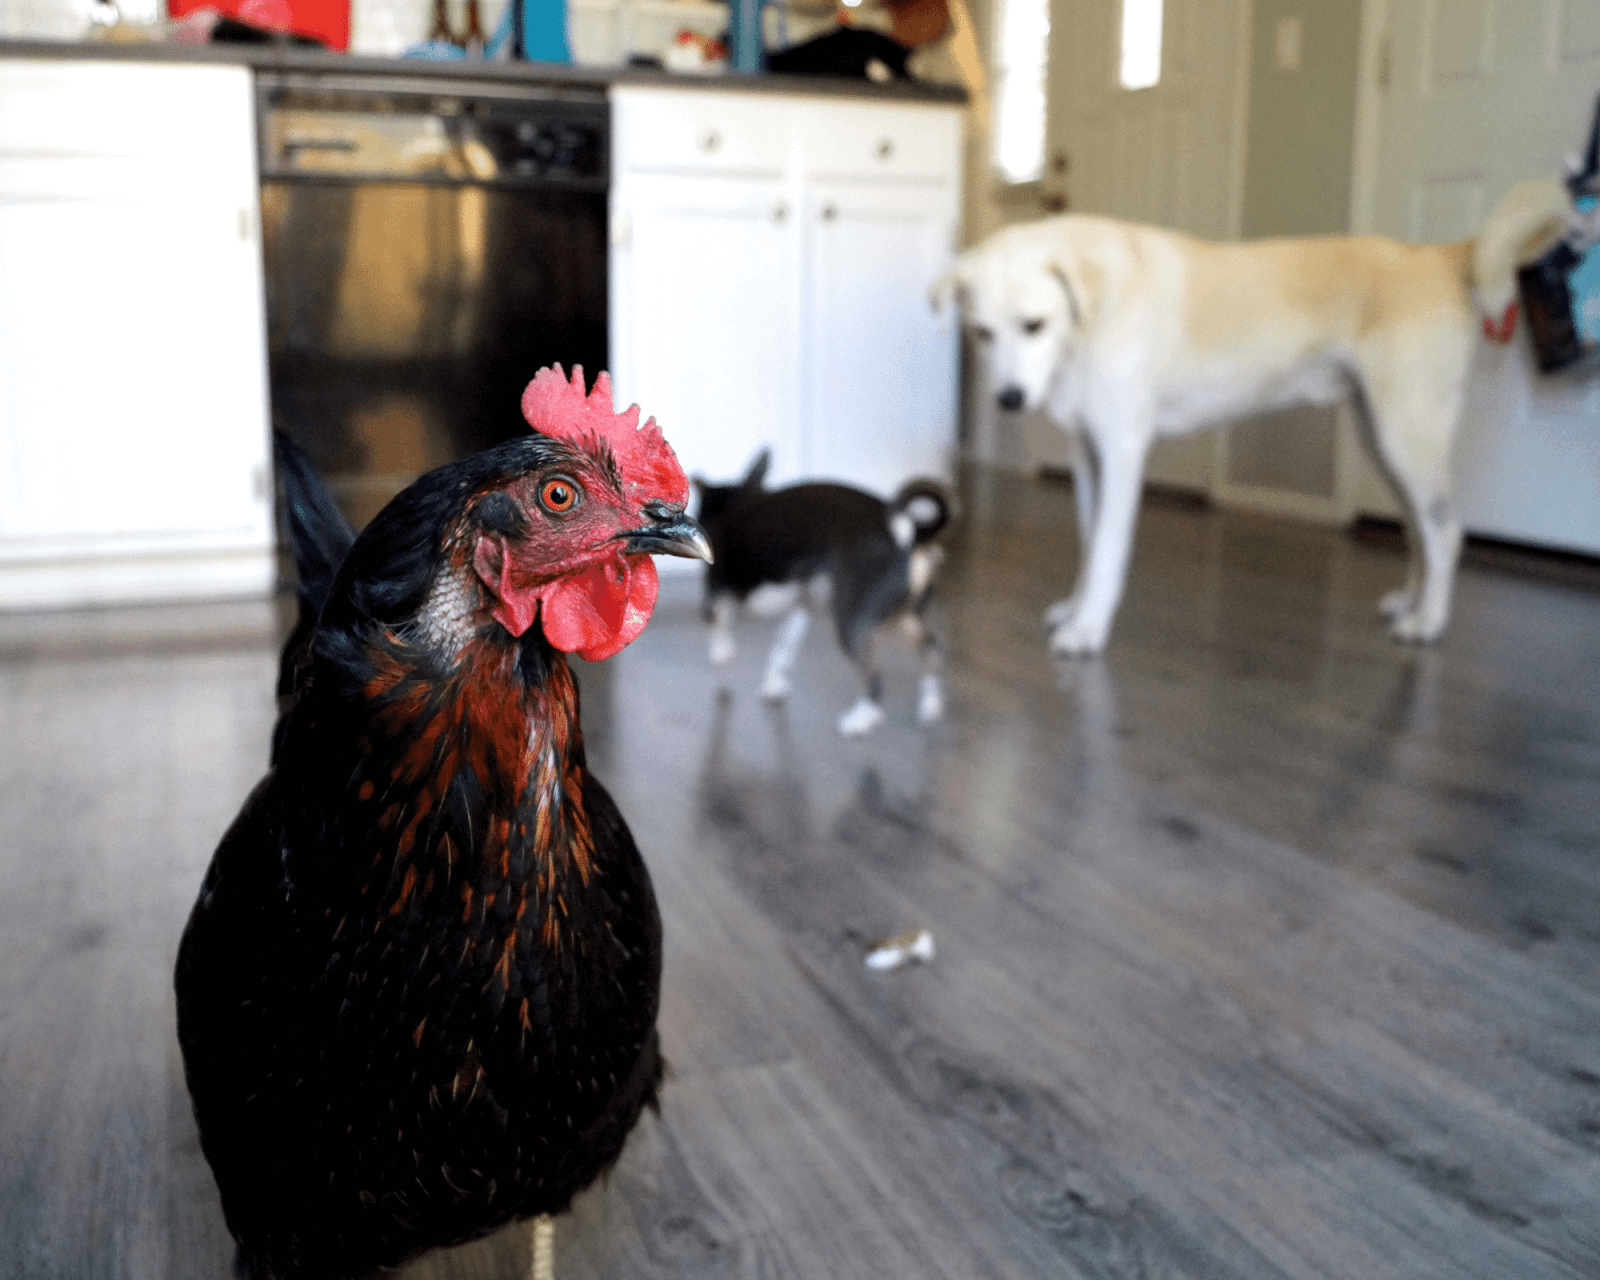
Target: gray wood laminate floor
x,y
1266,948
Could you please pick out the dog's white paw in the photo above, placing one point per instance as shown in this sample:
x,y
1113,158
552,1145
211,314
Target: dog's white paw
x,y
930,700
1078,638
861,719
1060,613
1397,604
775,688
721,648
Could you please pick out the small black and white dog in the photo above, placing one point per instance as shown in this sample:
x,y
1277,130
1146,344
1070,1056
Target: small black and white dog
x,y
873,561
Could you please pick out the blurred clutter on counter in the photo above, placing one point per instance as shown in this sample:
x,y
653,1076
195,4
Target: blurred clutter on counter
x,y
878,40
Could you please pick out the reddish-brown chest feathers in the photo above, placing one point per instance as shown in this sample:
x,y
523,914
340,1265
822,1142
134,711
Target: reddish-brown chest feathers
x,y
476,792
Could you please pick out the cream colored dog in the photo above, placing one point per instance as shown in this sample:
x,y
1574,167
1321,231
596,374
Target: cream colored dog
x,y
1125,334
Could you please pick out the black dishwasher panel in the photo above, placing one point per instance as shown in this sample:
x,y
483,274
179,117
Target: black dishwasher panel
x,y
426,251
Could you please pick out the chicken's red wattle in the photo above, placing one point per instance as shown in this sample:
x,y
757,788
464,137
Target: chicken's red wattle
x,y
598,612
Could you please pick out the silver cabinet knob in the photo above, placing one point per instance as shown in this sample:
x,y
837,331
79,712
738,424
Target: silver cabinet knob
x,y
829,212
780,211
885,148
711,141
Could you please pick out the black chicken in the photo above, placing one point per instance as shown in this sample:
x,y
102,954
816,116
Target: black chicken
x,y
417,996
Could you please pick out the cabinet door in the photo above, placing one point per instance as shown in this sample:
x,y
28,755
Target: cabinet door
x,y
880,373
703,316
131,391
133,422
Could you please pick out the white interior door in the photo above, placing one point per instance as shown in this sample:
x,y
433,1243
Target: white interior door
x,y
1171,154
1459,100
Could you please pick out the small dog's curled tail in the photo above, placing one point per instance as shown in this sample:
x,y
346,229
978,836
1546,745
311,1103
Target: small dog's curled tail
x,y
921,512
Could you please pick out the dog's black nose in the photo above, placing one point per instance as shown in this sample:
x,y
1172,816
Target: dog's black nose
x,y
1011,399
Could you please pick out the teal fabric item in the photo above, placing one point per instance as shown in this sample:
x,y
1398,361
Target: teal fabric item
x,y
544,31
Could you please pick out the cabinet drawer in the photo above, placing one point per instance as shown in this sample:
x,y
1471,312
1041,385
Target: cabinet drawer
x,y
697,132
850,141
196,116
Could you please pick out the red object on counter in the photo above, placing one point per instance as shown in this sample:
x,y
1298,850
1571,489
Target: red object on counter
x,y
324,20
1507,327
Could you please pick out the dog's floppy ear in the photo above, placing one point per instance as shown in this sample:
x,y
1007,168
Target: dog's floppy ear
x,y
756,477
951,287
1083,281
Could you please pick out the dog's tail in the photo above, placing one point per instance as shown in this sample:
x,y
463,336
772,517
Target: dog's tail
x,y
921,512
1532,217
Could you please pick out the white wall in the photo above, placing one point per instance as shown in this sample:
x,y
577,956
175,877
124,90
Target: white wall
x,y
64,19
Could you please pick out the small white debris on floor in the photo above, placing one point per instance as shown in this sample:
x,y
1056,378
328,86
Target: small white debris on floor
x,y
901,950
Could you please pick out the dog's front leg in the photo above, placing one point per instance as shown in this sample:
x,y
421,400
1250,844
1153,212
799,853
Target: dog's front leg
x,y
1105,565
1085,493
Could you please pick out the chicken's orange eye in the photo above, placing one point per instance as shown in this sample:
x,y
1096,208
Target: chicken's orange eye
x,y
558,495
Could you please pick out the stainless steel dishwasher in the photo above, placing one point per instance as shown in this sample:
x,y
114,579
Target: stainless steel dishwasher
x,y
428,247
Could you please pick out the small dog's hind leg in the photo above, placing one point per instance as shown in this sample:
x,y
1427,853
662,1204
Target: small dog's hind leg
x,y
930,692
775,684
867,714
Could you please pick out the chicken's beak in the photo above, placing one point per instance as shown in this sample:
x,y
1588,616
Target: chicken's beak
x,y
669,533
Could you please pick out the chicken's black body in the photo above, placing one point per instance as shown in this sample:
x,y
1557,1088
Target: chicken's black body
x,y
417,996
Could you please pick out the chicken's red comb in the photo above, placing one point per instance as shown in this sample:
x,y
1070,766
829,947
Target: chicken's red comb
x,y
556,407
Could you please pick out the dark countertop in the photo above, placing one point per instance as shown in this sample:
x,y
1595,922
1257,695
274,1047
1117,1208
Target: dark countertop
x,y
299,59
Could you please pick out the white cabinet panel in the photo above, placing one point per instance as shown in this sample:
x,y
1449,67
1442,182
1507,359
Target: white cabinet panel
x,y
704,330
894,143
119,417
182,119
788,311
879,393
731,133
133,419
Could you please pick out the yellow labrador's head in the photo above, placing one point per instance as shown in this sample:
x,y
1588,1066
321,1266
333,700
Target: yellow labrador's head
x,y
1026,297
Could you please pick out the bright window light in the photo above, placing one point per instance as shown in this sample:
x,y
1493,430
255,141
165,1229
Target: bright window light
x,y
1021,57
1141,44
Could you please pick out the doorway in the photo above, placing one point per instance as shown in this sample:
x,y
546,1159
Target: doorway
x,y
1459,100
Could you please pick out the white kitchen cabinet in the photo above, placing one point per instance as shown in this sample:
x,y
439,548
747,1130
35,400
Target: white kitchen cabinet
x,y
709,327
879,378
134,447
769,280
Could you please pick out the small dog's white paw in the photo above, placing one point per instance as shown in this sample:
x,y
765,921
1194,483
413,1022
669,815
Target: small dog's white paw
x,y
1397,604
861,719
1415,627
1060,613
775,688
930,700
721,648
1078,638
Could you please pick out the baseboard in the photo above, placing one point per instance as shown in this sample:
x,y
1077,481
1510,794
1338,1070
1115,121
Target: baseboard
x,y
1504,555
152,579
